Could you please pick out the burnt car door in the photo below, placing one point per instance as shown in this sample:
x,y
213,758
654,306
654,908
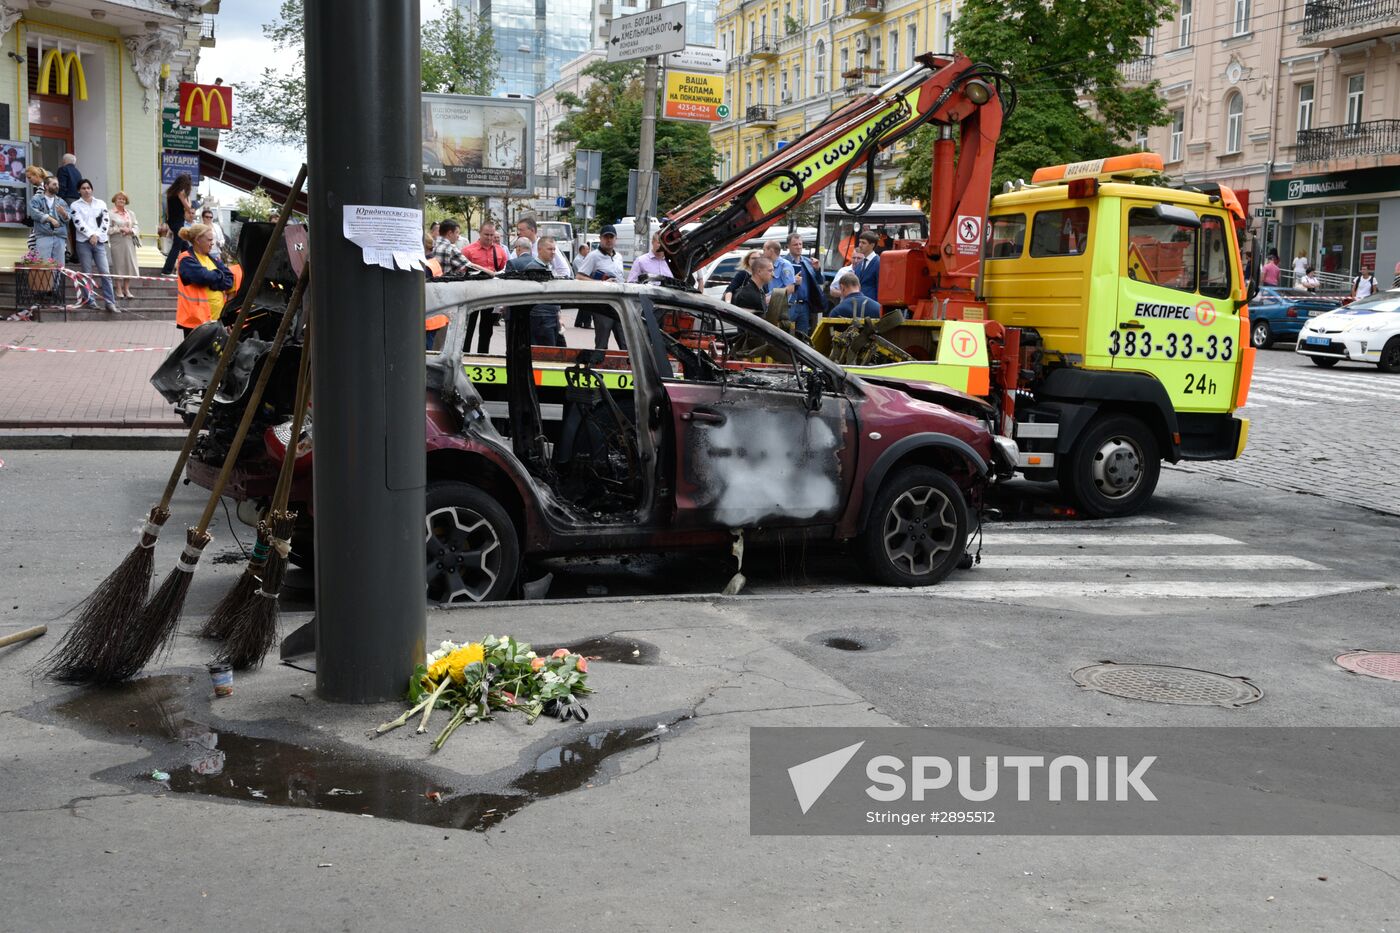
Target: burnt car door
x,y
763,434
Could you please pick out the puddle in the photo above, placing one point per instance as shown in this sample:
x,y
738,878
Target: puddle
x,y
853,639
616,648
200,759
843,644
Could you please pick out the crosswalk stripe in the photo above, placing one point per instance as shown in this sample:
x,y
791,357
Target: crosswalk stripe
x,y
1359,379
1318,385
994,561
1256,396
1107,540
955,588
1127,521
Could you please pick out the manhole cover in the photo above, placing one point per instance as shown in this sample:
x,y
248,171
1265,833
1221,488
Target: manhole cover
x,y
1162,683
1382,664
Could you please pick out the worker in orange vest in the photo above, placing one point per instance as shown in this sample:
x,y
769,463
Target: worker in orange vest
x,y
204,284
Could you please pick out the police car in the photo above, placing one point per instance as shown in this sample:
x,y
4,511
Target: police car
x,y
1366,331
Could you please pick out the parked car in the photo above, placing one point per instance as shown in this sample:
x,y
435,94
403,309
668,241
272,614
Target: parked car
x,y
1366,331
1278,313
714,423
717,274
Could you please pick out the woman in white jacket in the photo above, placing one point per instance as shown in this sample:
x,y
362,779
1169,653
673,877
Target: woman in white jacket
x,y
91,223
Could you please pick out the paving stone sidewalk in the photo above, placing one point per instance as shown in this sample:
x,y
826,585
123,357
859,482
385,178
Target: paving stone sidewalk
x,y
84,385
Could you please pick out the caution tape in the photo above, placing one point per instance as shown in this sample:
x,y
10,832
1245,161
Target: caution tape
x,y
22,349
74,274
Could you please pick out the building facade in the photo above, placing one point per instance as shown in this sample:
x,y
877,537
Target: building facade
x,y
91,78
1297,107
793,62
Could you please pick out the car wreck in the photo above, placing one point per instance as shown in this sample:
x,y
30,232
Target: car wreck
x,y
710,423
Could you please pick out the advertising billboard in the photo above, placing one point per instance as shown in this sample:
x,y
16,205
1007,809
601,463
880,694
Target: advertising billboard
x,y
478,145
695,97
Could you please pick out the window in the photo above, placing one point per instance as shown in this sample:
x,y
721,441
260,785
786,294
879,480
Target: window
x,y
1141,139
845,59
748,94
763,26
1149,45
1183,25
1305,106
819,71
1060,233
875,61
1234,122
911,34
773,89
786,92
826,9
894,50
1356,99
1160,252
1007,237
945,33
1178,134
1241,17
1215,258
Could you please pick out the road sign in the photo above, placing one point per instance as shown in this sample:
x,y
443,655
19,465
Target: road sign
x,y
175,136
651,32
694,97
1263,212
697,58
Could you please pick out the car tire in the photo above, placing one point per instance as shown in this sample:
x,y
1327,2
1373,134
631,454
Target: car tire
x,y
917,530
473,549
1326,362
1261,336
1113,467
1390,356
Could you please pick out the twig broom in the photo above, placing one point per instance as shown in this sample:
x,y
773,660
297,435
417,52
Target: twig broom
x,y
92,650
253,627
156,624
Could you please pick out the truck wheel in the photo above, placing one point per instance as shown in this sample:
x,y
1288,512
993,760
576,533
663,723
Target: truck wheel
x,y
917,530
1261,337
473,550
1390,356
1113,467
1326,362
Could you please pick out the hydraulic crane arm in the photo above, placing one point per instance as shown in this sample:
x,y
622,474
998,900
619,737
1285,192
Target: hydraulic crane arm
x,y
939,89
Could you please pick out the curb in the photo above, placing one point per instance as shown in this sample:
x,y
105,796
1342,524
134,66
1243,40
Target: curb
x,y
115,440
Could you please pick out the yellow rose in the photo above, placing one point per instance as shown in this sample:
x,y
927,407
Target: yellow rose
x,y
458,660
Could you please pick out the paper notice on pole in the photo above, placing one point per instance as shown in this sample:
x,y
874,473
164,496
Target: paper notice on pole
x,y
387,235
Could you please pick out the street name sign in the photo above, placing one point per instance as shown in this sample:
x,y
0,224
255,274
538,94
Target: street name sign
x,y
697,58
648,33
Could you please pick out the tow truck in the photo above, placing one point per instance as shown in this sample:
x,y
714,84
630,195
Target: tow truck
x,y
1102,314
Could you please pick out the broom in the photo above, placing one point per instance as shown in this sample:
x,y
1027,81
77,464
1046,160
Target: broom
x,y
252,627
155,625
92,651
241,595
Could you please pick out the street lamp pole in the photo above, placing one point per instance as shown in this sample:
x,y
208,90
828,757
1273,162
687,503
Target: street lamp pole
x,y
646,154
363,132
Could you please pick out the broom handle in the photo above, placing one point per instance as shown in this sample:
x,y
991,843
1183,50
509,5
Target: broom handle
x,y
283,491
250,410
15,638
231,343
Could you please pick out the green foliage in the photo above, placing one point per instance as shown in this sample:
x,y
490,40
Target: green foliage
x,y
684,156
1063,56
458,57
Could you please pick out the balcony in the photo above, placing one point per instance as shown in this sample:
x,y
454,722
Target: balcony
x,y
1351,140
1137,70
1330,23
865,9
206,32
764,48
886,159
761,115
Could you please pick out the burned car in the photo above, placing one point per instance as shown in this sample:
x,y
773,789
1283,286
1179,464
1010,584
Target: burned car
x,y
712,423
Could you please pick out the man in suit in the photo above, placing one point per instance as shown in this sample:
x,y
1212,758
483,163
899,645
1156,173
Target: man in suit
x,y
808,300
866,265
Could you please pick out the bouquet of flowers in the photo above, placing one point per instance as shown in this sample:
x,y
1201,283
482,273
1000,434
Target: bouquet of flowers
x,y
496,674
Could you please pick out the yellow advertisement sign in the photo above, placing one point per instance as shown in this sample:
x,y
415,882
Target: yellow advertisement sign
x,y
695,97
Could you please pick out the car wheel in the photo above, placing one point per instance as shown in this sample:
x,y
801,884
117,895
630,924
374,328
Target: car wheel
x,y
917,530
1261,337
1113,467
473,551
1326,362
1390,356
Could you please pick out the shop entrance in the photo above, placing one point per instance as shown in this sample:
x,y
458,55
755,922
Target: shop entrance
x,y
50,120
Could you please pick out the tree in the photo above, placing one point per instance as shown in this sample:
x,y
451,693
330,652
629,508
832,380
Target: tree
x,y
608,118
1064,58
458,57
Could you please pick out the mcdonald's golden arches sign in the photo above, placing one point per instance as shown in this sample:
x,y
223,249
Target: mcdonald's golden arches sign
x,y
70,77
208,105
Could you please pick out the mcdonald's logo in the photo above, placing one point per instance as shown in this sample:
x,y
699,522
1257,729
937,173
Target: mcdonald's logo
x,y
208,105
67,64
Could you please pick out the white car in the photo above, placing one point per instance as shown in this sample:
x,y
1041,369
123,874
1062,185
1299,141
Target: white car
x,y
1366,331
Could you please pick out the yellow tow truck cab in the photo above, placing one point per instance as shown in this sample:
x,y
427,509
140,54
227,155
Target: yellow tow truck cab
x,y
1128,302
